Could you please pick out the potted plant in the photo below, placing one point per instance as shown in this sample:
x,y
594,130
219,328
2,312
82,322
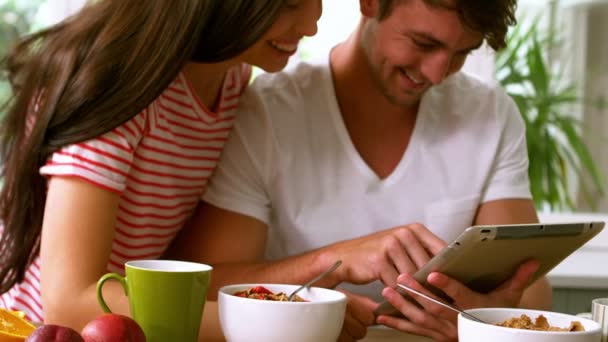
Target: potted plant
x,y
15,20
556,149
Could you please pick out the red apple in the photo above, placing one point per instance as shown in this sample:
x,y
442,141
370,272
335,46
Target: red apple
x,y
112,328
54,333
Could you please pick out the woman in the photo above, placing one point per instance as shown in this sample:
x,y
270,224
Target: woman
x,y
119,115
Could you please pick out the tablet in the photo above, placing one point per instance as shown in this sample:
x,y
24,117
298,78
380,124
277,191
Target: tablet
x,y
483,257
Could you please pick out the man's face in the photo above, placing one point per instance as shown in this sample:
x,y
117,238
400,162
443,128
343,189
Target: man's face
x,y
415,47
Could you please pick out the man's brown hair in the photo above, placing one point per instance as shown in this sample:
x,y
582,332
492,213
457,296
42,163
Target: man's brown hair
x,y
490,17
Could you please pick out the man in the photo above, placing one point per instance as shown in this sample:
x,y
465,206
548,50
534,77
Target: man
x,y
337,161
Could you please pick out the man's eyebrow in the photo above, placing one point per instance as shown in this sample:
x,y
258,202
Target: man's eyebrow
x,y
435,41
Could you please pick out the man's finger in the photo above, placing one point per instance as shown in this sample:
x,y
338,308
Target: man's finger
x,y
388,276
361,307
399,254
430,306
429,240
416,253
451,287
353,328
521,278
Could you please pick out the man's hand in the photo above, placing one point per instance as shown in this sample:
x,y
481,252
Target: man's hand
x,y
359,315
385,254
440,323
508,294
420,318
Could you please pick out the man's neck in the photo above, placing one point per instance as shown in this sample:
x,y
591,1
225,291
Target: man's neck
x,y
354,81
379,130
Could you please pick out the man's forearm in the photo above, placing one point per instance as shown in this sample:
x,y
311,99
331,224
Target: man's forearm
x,y
293,270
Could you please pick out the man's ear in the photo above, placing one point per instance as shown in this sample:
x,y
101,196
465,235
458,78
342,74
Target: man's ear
x,y
369,8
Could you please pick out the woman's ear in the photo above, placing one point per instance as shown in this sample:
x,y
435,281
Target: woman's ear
x,y
369,8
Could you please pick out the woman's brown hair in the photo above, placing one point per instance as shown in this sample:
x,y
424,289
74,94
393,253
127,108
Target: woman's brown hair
x,y
490,17
91,73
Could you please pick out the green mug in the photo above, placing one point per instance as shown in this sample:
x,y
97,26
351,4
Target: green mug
x,y
166,297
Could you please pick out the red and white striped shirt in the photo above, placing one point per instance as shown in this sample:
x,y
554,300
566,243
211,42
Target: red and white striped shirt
x,y
159,162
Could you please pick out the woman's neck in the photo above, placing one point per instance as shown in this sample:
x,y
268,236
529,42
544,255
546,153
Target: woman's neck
x,y
206,80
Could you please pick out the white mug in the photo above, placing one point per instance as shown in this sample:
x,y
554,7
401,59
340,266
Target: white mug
x,y
599,313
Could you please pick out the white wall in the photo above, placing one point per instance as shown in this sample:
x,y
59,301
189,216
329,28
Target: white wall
x,y
53,11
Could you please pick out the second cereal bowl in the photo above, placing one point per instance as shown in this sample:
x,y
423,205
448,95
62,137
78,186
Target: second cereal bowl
x,y
473,331
319,319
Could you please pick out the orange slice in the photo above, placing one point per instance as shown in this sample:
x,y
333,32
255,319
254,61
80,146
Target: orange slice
x,y
14,328
19,314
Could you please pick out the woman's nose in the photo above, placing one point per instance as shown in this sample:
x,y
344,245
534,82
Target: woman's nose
x,y
307,24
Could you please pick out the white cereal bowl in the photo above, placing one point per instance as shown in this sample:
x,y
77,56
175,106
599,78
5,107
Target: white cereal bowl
x,y
473,331
246,320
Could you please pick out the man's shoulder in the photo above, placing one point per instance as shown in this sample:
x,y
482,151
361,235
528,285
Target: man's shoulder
x,y
464,85
466,103
463,93
287,99
299,76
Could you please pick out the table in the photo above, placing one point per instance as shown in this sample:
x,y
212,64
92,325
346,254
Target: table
x,y
383,334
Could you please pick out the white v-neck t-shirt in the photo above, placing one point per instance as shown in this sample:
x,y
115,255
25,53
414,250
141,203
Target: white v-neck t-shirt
x,y
290,162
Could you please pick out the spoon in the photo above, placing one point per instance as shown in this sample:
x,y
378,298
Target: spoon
x,y
451,307
315,279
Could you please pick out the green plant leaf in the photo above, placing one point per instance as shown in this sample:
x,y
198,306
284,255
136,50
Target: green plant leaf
x,y
582,152
556,149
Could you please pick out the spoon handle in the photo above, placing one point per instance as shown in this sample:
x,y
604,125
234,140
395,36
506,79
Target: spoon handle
x,y
440,302
315,279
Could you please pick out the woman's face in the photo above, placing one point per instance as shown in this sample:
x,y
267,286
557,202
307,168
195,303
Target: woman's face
x,y
297,18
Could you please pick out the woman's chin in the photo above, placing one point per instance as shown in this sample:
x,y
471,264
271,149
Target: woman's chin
x,y
273,67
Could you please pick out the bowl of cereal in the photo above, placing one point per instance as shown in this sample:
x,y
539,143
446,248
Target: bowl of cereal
x,y
524,325
261,312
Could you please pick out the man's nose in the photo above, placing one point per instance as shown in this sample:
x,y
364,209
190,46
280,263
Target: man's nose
x,y
435,66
